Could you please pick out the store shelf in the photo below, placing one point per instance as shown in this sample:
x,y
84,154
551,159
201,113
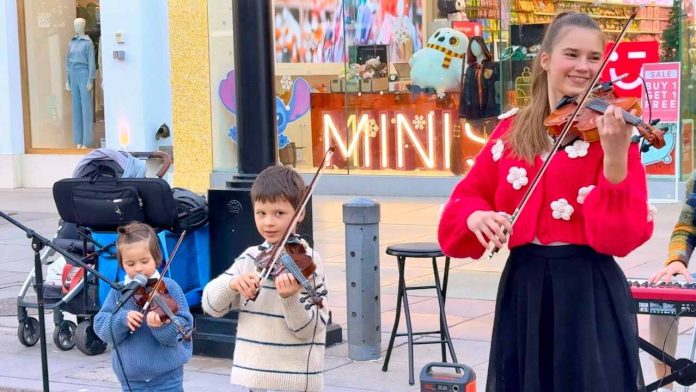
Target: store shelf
x,y
609,17
633,32
621,4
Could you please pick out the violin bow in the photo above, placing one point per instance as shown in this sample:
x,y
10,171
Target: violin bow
x,y
493,249
164,271
277,248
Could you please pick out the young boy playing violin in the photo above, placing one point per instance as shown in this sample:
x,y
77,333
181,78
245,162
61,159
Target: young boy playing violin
x,y
149,353
280,340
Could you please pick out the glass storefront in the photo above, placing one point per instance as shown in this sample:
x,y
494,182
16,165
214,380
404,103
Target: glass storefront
x,y
61,74
414,87
222,91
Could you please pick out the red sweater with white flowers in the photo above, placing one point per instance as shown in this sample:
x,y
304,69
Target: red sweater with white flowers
x,y
573,203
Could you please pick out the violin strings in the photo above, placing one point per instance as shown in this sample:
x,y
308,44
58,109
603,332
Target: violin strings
x,y
163,305
295,270
601,105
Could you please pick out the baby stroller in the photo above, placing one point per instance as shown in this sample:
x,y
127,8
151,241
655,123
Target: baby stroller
x,y
107,191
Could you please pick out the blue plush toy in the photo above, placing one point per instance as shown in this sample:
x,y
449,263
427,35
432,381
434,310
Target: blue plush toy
x,y
438,65
285,114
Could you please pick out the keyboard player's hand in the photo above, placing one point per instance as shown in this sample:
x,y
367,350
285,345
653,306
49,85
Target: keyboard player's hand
x,y
672,269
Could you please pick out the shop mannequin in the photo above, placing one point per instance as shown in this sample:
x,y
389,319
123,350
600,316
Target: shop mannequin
x,y
477,99
80,68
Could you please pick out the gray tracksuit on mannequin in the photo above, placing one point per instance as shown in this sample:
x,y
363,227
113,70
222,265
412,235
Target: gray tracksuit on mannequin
x,y
80,70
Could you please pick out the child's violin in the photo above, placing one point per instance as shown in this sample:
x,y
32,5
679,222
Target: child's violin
x,y
293,249
584,124
162,303
295,260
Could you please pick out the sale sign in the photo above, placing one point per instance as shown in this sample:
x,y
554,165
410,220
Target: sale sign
x,y
662,96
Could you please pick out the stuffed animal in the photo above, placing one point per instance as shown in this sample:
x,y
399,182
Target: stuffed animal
x,y
438,65
285,113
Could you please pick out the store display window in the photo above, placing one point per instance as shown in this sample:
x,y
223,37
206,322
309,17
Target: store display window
x,y
223,92
393,109
415,87
61,72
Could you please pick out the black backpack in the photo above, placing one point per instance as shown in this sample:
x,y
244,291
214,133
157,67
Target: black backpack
x,y
192,209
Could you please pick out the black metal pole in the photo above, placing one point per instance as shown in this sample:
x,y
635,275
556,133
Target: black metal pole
x,y
257,140
37,245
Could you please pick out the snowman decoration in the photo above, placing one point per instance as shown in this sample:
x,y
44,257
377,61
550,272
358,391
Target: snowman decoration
x,y
438,66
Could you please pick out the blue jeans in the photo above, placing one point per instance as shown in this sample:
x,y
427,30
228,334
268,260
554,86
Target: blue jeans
x,y
168,382
82,115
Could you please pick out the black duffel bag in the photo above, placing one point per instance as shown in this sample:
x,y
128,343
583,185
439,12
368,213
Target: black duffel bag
x,y
191,208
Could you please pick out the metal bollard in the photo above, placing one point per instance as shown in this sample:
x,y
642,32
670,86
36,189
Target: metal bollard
x,y
361,217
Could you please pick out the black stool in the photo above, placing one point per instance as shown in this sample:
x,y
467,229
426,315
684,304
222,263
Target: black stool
x,y
419,250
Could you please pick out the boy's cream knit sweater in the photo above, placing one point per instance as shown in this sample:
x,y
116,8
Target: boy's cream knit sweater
x,y
279,344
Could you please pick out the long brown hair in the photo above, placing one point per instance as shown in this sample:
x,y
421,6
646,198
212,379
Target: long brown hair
x,y
528,136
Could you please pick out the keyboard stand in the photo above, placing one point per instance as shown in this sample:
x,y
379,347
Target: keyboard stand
x,y
683,369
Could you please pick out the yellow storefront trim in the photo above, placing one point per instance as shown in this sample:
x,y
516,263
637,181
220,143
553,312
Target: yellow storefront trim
x,y
191,112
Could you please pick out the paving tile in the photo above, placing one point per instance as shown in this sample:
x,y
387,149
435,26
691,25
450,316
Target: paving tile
x,y
470,303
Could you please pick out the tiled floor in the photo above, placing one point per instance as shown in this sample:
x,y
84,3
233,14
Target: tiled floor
x,y
470,300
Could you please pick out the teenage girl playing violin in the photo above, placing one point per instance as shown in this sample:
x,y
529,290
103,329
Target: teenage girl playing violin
x,y
149,353
564,319
280,340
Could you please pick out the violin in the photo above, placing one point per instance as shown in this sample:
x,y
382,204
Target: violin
x,y
155,297
295,260
584,124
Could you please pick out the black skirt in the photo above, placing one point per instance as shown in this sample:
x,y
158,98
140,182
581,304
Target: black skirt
x,y
564,321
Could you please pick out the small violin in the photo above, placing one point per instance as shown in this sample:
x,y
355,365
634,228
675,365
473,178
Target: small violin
x,y
162,303
295,260
584,125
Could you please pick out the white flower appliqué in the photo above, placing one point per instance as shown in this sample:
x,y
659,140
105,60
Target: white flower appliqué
x,y
497,150
652,210
583,192
517,176
562,209
578,149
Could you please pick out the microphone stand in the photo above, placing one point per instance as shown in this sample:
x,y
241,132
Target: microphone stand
x,y
38,242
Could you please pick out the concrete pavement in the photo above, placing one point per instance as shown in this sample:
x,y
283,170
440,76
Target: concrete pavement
x,y
470,301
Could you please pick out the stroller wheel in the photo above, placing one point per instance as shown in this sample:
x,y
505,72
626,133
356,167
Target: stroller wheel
x,y
64,335
28,331
86,340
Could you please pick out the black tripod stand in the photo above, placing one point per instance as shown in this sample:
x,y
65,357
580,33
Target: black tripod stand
x,y
37,244
683,369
